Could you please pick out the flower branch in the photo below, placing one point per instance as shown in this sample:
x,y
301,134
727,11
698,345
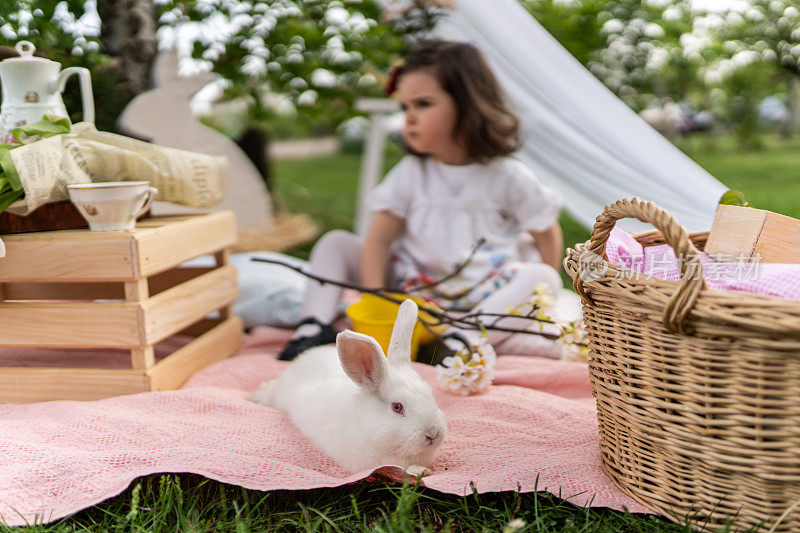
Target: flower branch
x,y
472,321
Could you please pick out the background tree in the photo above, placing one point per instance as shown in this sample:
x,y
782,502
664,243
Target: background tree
x,y
318,55
575,25
767,32
128,33
632,46
310,57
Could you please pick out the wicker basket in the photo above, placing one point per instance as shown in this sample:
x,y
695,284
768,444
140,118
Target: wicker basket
x,y
698,390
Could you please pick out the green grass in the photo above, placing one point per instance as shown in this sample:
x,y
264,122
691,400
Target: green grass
x,y
191,503
769,178
325,187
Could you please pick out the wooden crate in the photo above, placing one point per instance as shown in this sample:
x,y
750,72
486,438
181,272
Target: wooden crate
x,y
77,289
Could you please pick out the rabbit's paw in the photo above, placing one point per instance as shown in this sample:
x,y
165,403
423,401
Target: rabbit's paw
x,y
264,393
418,471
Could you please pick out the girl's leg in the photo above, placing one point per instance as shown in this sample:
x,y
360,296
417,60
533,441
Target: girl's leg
x,y
335,256
517,291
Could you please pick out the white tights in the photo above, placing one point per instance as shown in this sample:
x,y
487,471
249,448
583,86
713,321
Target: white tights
x,y
336,256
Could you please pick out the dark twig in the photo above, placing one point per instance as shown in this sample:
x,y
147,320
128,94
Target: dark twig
x,y
470,321
454,273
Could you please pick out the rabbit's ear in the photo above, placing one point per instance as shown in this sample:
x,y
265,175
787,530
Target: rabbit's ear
x,y
362,359
400,343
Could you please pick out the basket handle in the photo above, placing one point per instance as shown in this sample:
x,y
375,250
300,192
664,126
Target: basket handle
x,y
692,281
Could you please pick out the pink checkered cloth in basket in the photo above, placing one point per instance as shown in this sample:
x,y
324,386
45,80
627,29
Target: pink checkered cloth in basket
x,y
774,279
537,421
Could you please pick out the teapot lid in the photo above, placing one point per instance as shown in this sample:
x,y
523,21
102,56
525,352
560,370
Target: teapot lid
x,y
25,49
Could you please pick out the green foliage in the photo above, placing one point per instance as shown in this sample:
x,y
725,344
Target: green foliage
x,y
645,50
769,30
10,184
733,197
576,25
59,36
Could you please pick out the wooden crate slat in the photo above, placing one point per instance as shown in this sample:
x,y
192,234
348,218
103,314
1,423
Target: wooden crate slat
x,y
155,245
163,247
70,325
85,290
201,326
213,346
68,259
174,309
63,291
26,385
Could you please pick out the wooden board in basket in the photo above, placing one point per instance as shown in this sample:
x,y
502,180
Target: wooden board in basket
x,y
698,390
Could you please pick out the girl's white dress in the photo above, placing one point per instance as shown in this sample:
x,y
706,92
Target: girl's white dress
x,y
448,209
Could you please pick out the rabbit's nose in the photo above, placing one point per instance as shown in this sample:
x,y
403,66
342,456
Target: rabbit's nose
x,y
432,436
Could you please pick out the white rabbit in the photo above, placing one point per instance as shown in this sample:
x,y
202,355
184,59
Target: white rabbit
x,y
363,409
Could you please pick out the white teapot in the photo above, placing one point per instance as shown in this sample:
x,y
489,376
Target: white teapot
x,y
32,88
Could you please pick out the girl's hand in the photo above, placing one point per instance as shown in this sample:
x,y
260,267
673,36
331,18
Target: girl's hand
x,y
383,230
551,245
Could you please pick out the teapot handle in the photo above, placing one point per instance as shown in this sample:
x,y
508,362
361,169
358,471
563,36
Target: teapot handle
x,y
85,79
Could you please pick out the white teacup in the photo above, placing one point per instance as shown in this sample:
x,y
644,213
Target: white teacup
x,y
112,205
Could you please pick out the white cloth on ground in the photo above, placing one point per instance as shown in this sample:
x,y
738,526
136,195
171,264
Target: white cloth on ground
x,y
269,294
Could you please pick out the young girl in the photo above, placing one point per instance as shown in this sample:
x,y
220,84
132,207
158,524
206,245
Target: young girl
x,y
457,189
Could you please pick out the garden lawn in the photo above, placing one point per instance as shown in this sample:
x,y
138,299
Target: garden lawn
x,y
326,188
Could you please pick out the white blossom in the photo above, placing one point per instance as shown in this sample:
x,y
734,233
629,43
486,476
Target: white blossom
x,y
307,98
323,78
254,66
573,342
468,372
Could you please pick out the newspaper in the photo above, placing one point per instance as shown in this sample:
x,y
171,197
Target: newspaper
x,y
85,155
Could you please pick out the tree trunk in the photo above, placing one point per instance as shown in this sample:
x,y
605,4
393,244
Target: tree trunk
x,y
792,123
255,143
128,32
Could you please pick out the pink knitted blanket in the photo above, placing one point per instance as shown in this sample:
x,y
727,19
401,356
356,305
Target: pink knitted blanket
x,y
56,458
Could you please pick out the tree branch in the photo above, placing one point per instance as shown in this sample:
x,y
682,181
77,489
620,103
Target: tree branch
x,y
470,321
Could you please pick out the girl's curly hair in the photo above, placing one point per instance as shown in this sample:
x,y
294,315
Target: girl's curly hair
x,y
485,122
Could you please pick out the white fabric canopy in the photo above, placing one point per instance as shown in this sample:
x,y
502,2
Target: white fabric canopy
x,y
578,136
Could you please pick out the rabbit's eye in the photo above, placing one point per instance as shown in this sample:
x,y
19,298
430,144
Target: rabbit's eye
x,y
398,408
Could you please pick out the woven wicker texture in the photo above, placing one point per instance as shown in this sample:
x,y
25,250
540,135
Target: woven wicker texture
x,y
698,391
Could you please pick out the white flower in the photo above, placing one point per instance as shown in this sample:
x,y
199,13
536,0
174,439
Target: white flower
x,y
307,98
542,298
323,78
470,372
573,342
513,526
254,66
